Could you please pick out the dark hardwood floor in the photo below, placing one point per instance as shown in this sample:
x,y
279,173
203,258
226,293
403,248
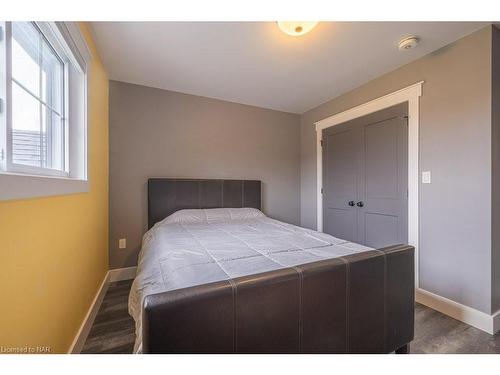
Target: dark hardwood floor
x,y
440,334
113,329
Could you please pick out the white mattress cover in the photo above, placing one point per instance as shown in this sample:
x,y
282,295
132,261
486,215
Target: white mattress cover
x,y
193,247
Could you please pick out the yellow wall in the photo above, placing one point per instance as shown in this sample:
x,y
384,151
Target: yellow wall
x,y
54,251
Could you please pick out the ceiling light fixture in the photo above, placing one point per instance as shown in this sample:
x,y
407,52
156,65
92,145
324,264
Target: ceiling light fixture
x,y
296,28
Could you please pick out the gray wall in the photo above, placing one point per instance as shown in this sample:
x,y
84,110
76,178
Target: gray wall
x,y
158,133
495,152
455,145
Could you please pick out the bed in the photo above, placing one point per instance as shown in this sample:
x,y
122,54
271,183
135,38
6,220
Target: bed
x,y
216,275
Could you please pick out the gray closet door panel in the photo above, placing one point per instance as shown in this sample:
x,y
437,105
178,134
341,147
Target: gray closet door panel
x,y
381,160
340,186
341,223
366,161
380,230
341,157
384,180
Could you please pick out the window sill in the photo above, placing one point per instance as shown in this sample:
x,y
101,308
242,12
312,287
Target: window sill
x,y
23,186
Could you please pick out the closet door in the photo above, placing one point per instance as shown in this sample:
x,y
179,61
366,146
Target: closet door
x,y
365,179
340,181
383,179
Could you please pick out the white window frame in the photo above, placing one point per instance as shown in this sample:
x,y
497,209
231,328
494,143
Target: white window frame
x,y
28,169
21,181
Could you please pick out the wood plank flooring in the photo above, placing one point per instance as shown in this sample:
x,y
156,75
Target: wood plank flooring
x,y
440,334
114,332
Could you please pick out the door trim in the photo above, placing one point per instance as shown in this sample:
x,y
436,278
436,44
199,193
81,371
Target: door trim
x,y
410,94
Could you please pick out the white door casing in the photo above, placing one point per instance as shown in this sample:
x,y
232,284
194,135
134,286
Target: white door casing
x,y
410,94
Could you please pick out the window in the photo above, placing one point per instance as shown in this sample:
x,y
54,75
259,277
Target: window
x,y
37,134
43,79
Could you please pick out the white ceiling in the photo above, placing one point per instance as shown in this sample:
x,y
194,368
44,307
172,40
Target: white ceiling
x,y
255,63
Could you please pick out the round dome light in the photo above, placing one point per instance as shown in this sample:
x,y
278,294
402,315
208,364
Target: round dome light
x,y
296,28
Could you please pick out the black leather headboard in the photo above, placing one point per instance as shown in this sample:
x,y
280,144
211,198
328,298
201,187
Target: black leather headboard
x,y
167,195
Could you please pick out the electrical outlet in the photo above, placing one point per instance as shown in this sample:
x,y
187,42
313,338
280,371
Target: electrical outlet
x,y
426,177
122,243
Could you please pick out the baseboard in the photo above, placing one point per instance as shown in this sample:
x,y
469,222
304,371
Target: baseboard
x,y
120,274
496,321
79,341
466,314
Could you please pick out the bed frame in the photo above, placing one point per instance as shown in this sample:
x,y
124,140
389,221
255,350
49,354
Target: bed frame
x,y
360,303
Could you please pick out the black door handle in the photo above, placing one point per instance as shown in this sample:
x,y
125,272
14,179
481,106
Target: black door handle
x,y
351,203
360,204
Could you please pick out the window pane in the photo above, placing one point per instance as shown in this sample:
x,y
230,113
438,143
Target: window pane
x,y
37,100
26,135
53,135
52,78
43,142
57,142
26,55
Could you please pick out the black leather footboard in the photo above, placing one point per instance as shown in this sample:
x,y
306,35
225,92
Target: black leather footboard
x,y
361,303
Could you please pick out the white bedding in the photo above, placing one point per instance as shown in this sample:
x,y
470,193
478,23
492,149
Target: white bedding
x,y
193,247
